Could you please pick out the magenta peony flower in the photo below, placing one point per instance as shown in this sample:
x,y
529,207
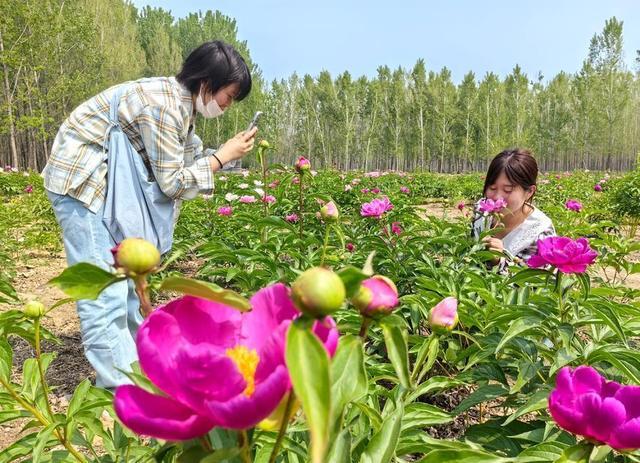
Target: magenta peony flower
x,y
248,199
377,296
291,217
585,403
28,189
443,316
489,206
350,247
597,187
269,199
405,190
302,164
225,210
573,205
461,205
365,190
396,228
376,208
375,191
215,365
567,255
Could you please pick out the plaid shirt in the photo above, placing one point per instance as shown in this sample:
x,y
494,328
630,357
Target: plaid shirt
x,y
156,114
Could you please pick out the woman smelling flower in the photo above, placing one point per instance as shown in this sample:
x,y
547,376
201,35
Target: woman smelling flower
x,y
509,187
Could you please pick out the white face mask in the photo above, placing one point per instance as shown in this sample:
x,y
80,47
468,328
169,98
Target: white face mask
x,y
210,110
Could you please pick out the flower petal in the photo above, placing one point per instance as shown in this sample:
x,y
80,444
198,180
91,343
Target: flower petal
x,y
630,398
157,416
627,436
567,417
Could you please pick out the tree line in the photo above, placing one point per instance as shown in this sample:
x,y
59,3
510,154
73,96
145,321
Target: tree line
x,y
56,53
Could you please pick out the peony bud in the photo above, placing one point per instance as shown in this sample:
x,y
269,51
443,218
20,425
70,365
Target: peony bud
x,y
264,144
34,309
318,292
302,164
136,255
377,296
444,316
329,212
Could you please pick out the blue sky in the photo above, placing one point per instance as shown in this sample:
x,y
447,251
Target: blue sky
x,y
287,36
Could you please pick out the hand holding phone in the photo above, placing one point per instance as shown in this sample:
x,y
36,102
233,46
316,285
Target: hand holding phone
x,y
254,121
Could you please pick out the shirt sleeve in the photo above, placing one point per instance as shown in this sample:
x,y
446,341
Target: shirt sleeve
x,y
160,129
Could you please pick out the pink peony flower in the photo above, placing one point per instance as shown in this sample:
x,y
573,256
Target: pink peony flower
x,y
292,218
28,189
355,181
216,366
295,180
586,404
573,205
375,191
347,187
350,247
365,190
405,190
567,255
374,174
444,315
489,206
396,228
377,296
376,208
461,205
269,199
248,199
597,187
225,210
302,164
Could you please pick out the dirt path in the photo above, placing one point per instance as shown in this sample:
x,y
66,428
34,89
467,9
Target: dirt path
x,y
70,367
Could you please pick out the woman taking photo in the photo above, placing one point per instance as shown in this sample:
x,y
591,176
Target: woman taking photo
x,y
120,165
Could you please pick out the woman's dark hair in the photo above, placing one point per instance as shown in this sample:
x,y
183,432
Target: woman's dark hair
x,y
216,64
518,165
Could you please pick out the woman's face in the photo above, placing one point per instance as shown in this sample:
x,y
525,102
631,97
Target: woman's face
x,y
513,193
224,96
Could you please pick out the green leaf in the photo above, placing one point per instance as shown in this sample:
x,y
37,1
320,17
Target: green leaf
x,y
221,455
517,327
348,374
482,394
341,448
383,444
395,338
576,454
6,360
420,415
462,456
205,290
537,401
428,352
84,281
543,452
308,365
42,441
435,383
352,277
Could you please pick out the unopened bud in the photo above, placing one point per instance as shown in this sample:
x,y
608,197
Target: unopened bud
x,y
318,292
329,212
136,255
444,316
376,297
34,309
264,144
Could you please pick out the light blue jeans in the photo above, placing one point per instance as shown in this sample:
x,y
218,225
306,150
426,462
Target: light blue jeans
x,y
108,324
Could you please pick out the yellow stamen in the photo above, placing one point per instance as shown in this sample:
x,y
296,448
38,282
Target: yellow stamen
x,y
247,362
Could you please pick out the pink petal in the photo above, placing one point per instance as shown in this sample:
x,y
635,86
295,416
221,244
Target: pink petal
x,y
600,416
587,379
630,398
567,417
627,436
328,334
158,417
242,412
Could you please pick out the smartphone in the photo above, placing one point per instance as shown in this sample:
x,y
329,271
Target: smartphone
x,y
254,121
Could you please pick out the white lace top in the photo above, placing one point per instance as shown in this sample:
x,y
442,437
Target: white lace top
x,y
522,241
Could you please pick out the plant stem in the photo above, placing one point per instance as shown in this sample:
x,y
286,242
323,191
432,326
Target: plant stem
x,y
324,246
243,443
300,209
143,295
288,408
364,327
43,381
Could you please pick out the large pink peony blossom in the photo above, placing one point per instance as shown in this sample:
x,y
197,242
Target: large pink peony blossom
x,y
565,254
585,403
215,365
573,205
489,206
376,208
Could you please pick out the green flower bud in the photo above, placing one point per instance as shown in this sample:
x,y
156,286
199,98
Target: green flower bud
x,y
136,255
34,309
264,144
318,292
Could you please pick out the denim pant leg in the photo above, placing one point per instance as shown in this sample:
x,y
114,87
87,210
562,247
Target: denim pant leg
x,y
108,323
